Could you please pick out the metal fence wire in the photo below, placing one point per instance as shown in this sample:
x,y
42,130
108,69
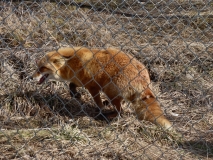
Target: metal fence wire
x,y
172,38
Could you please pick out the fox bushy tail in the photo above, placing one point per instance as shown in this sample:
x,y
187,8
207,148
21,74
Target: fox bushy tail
x,y
149,109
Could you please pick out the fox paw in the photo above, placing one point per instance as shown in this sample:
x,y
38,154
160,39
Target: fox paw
x,y
106,115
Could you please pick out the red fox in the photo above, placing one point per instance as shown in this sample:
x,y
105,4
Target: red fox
x,y
117,74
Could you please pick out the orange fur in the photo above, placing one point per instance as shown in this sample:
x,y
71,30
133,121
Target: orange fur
x,y
117,74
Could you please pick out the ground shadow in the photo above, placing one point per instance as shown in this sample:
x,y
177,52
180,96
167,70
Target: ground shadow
x,y
48,106
200,147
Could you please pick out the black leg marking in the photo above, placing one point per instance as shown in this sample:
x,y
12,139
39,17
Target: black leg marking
x,y
73,91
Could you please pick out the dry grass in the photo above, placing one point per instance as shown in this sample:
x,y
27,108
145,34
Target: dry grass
x,y
43,122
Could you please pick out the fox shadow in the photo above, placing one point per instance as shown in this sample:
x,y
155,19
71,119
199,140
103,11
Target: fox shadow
x,y
52,104
199,147
62,105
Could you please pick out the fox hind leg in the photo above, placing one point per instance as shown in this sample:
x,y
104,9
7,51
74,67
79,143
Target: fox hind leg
x,y
118,109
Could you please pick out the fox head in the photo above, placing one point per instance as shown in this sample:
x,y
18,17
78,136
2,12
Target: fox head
x,y
61,64
49,67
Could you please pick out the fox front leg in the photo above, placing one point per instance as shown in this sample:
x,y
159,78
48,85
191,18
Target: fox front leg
x,y
73,91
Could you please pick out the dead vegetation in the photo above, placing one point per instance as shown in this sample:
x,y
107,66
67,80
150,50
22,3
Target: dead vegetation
x,y
44,122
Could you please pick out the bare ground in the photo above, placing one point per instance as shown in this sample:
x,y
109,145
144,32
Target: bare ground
x,y
44,122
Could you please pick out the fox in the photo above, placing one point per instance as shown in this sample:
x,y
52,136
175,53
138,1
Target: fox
x,y
118,75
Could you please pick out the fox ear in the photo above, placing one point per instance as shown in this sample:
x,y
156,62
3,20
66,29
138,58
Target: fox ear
x,y
67,57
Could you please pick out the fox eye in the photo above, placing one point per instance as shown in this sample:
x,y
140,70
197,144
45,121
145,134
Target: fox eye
x,y
56,61
42,69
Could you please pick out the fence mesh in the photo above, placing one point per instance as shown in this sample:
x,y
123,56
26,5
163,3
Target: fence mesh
x,y
173,38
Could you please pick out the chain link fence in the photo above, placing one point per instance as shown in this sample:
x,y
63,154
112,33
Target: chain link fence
x,y
173,38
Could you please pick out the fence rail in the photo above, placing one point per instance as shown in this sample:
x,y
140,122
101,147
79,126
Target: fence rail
x,y
173,39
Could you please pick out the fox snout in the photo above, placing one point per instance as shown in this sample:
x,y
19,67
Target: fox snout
x,y
40,77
